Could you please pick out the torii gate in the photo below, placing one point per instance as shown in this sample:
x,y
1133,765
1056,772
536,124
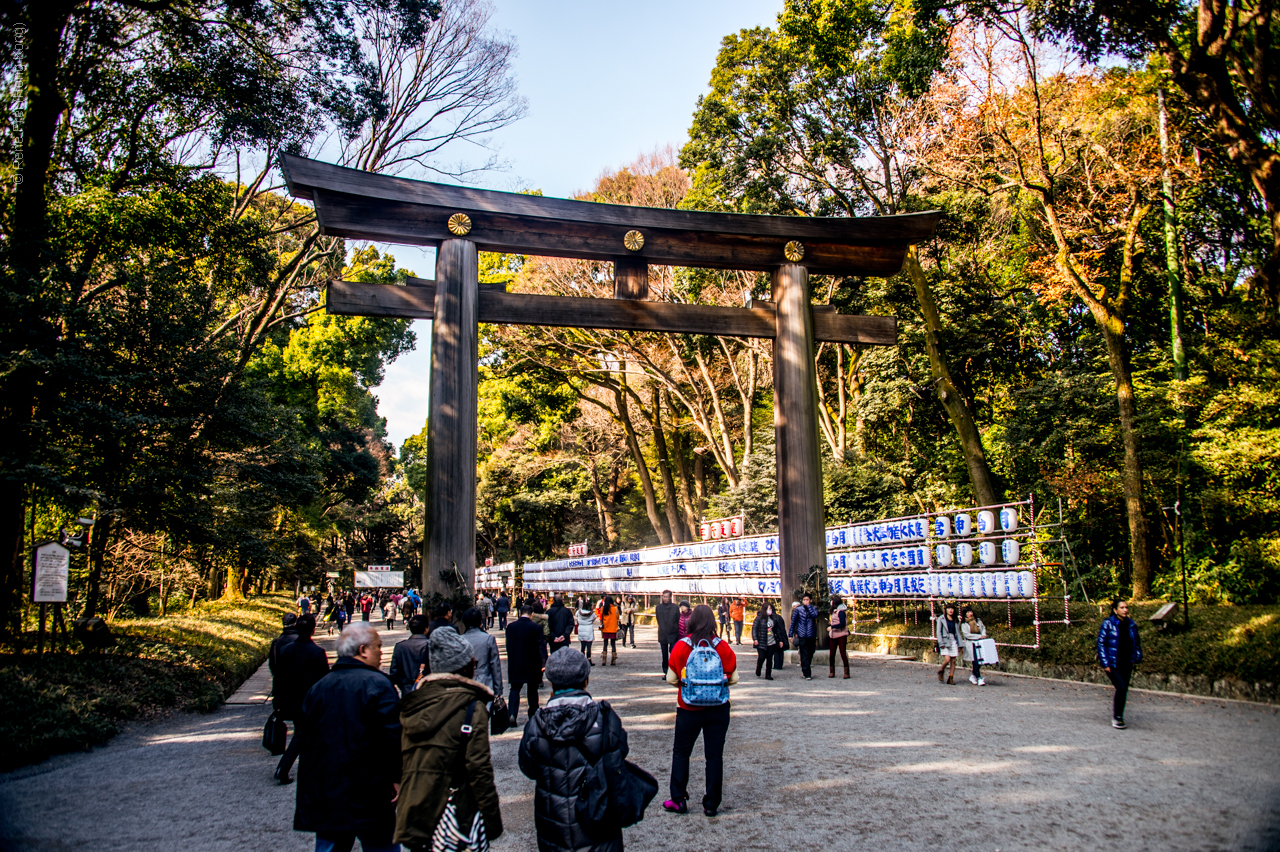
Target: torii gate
x,y
459,222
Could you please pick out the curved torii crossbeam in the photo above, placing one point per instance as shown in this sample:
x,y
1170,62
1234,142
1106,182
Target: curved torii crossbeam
x,y
460,221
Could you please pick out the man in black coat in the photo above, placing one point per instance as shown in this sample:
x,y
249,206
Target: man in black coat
x,y
560,620
410,654
668,617
525,643
349,776
443,618
287,635
560,741
299,665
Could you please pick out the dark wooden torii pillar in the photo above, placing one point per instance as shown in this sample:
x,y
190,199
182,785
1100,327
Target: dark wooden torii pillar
x,y
459,222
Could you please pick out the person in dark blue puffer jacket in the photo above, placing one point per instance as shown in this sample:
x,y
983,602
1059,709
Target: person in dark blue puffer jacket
x,y
1119,650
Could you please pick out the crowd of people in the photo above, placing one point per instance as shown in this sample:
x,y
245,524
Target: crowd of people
x,y
403,757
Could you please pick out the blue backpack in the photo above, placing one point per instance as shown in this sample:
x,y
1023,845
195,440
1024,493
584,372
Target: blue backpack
x,y
703,681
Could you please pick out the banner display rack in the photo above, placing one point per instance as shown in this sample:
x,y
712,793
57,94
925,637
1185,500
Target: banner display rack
x,y
984,553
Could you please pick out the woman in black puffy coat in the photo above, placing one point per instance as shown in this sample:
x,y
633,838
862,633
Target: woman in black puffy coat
x,y
559,740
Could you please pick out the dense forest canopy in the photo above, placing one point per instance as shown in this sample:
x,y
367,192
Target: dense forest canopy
x,y
1096,321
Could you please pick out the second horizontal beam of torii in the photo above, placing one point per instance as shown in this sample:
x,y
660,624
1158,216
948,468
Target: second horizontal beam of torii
x,y
417,299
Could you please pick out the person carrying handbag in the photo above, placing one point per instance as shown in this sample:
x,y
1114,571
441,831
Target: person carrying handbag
x,y
839,636
448,799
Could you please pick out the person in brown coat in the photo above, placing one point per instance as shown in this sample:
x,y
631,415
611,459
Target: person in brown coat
x,y
440,759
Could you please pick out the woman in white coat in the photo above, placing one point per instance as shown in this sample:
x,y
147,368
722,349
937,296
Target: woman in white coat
x,y
586,621
973,631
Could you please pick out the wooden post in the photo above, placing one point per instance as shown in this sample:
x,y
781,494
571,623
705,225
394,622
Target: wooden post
x,y
450,540
44,611
631,278
801,515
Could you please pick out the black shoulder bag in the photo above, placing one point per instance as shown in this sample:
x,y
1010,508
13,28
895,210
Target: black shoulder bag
x,y
613,792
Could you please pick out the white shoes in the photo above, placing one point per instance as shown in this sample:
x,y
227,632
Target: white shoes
x,y
973,680
982,681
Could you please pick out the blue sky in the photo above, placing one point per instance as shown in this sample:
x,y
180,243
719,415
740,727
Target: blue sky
x,y
604,82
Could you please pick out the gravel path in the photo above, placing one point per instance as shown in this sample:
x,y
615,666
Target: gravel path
x,y
888,760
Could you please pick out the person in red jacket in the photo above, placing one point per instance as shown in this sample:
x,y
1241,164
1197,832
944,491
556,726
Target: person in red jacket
x,y
712,722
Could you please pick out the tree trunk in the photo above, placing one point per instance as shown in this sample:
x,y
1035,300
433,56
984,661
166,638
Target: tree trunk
x,y
1131,477
97,551
691,514
235,577
672,505
975,457
642,470
1173,276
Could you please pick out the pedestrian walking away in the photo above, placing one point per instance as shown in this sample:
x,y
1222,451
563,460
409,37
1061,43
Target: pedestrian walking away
x,y
839,635
629,620
804,627
560,621
366,607
288,634
609,615
722,612
1119,650
390,609
485,648
525,645
703,668
767,633
299,665
668,618
562,742
586,618
946,631
973,631
349,764
304,605
682,626
409,658
448,798
502,607
738,614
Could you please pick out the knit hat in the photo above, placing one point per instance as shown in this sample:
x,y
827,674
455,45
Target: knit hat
x,y
449,652
567,667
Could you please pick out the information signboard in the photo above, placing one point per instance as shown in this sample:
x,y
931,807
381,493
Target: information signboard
x,y
52,565
379,579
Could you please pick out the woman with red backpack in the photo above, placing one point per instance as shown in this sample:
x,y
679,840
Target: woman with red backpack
x,y
703,667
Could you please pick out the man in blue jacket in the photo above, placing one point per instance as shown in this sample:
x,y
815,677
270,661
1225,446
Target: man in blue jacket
x,y
804,627
1119,650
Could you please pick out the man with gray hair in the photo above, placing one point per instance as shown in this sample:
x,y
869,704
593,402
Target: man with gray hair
x,y
349,774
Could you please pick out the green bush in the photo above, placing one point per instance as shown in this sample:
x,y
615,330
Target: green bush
x,y
69,701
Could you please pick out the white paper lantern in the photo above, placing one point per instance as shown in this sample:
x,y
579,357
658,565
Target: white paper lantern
x,y
983,588
1008,519
942,526
964,525
987,552
945,556
1025,586
966,585
964,554
1010,551
986,522
998,585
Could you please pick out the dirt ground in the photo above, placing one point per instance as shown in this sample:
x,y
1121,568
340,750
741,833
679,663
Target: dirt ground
x,y
887,760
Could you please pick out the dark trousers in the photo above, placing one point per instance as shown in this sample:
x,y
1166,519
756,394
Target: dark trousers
x,y
806,655
977,668
840,646
513,699
777,657
1120,679
556,644
666,655
713,724
585,647
764,657
737,633
290,752
502,621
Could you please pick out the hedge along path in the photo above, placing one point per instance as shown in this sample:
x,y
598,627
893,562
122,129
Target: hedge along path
x,y
189,661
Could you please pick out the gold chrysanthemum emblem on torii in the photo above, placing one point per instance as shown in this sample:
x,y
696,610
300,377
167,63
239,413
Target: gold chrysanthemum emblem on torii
x,y
459,224
793,251
633,240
